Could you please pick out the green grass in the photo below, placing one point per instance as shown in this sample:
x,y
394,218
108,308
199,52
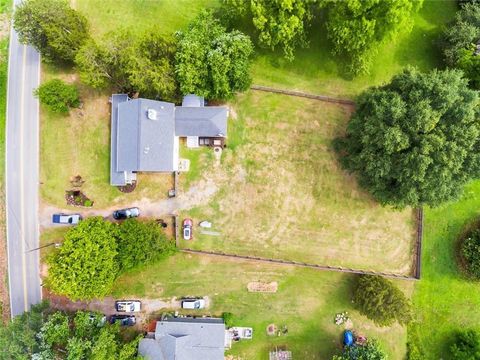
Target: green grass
x,y
316,70
306,302
444,300
282,193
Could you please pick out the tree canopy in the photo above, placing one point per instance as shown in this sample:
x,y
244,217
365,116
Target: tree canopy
x,y
416,140
58,96
459,42
85,266
370,351
210,61
141,243
381,301
466,345
357,27
51,26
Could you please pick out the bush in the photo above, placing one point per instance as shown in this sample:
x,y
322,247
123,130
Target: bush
x,y
466,345
381,301
141,243
58,96
470,252
228,319
88,203
370,351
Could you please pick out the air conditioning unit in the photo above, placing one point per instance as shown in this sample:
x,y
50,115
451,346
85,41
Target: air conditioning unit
x,y
152,114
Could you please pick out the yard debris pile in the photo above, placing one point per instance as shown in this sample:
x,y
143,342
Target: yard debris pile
x,y
258,286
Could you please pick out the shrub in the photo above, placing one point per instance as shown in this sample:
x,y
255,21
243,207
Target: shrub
x,y
88,203
466,345
381,301
58,96
370,351
228,319
470,252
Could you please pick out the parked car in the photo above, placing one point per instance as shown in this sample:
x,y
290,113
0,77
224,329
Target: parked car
x,y
128,305
193,304
124,320
187,229
126,213
71,219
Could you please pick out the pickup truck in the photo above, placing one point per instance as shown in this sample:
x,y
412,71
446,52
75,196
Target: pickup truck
x,y
72,219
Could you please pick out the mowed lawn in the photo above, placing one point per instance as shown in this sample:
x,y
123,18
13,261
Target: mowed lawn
x,y
306,302
283,194
444,301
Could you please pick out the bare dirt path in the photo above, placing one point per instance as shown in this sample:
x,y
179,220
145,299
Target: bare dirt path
x,y
200,193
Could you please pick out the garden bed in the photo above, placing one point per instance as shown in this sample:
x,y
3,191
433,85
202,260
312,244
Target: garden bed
x,y
77,198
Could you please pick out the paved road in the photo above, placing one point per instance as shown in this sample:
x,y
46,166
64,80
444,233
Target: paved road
x,y
22,158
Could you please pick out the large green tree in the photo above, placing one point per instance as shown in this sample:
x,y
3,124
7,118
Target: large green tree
x,y
52,27
86,265
210,61
381,301
140,243
459,42
58,96
415,140
370,351
466,345
357,27
279,24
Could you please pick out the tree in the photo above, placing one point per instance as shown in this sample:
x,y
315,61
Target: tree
x,y
279,23
470,252
18,338
106,63
415,141
210,61
85,266
152,69
370,351
58,96
141,243
52,27
381,301
56,331
466,345
356,28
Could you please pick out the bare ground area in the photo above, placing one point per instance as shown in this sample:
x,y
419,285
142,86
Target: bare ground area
x,y
283,194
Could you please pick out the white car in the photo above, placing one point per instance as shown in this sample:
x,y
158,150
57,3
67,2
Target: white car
x,y
193,304
128,305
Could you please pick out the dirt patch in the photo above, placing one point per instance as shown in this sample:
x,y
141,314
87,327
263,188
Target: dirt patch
x,y
127,188
258,286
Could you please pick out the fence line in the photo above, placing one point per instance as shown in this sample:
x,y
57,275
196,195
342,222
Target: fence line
x,y
304,95
299,264
418,244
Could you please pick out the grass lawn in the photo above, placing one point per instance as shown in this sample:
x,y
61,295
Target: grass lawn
x,y
307,301
444,301
282,193
316,70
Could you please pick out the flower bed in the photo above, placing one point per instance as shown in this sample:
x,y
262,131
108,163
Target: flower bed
x,y
77,198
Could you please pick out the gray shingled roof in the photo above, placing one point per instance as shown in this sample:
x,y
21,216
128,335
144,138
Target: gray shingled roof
x,y
210,121
186,339
145,144
117,178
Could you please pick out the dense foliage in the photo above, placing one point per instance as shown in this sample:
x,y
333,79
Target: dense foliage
x,y
370,351
95,252
141,243
356,28
470,252
52,27
86,264
143,63
279,23
381,301
459,42
58,96
210,61
466,346
416,140
44,334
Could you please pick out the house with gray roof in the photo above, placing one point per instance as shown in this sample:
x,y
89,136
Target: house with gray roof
x,y
145,133
185,339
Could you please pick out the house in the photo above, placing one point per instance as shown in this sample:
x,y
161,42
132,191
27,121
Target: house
x,y
145,133
185,339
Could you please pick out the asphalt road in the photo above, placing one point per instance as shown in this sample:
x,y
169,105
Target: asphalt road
x,y
22,176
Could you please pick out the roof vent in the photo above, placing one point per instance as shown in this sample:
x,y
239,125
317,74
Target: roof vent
x,y
152,114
